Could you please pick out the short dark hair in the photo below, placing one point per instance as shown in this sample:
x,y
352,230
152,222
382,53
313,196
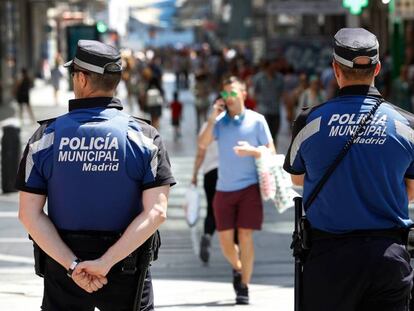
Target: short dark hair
x,y
234,79
356,73
105,82
108,81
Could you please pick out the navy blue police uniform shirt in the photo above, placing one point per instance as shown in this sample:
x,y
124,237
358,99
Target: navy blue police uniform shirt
x,y
93,163
367,190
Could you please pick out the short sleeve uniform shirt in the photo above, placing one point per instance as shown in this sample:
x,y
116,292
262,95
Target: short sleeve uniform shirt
x,y
367,189
93,163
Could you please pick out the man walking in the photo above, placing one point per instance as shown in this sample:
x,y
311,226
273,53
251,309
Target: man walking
x,y
106,177
237,202
268,89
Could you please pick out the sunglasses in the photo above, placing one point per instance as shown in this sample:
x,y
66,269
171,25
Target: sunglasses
x,y
225,94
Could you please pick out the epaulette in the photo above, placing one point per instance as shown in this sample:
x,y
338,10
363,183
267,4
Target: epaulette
x,y
142,120
46,121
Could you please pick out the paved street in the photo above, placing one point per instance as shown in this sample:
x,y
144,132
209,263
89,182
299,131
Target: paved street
x,y
181,282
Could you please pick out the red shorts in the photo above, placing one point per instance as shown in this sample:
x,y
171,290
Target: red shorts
x,y
238,209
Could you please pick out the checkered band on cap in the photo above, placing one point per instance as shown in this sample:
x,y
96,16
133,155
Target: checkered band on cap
x,y
96,57
352,43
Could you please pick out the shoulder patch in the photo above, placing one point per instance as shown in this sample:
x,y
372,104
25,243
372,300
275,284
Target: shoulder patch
x,y
312,108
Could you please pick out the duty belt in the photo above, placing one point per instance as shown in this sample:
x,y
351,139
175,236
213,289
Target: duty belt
x,y
397,234
96,244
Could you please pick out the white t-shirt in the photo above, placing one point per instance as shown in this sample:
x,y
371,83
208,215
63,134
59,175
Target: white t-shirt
x,y
211,158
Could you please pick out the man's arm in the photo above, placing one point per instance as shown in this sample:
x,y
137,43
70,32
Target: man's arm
x,y
206,136
244,149
42,230
140,229
44,233
297,180
265,142
271,147
409,184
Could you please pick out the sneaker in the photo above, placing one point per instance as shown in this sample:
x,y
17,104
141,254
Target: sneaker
x,y
237,280
242,295
205,244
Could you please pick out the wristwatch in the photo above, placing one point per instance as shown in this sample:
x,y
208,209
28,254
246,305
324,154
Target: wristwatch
x,y
72,267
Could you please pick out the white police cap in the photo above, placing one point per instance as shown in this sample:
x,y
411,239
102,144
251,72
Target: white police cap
x,y
97,57
351,43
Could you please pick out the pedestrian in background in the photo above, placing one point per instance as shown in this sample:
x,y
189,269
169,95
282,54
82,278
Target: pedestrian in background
x,y
176,112
55,77
268,90
202,90
154,96
207,160
22,93
401,90
182,67
237,202
313,96
293,97
128,79
359,218
106,177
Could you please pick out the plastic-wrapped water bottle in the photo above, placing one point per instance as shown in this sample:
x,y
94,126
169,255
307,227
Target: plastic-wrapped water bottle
x,y
192,205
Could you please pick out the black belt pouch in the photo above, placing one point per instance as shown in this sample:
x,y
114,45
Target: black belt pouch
x,y
39,259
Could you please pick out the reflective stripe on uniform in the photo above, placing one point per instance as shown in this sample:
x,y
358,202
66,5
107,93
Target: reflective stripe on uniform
x,y
310,129
141,140
45,142
404,130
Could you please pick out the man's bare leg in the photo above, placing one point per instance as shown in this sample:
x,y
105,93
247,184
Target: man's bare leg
x,y
246,253
229,249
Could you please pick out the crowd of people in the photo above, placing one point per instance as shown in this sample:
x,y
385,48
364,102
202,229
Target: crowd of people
x,y
272,84
275,88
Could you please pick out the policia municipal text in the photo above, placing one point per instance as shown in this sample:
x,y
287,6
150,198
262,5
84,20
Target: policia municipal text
x,y
359,218
99,232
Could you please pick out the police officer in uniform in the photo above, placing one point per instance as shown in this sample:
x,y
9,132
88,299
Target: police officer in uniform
x,y
106,177
358,259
